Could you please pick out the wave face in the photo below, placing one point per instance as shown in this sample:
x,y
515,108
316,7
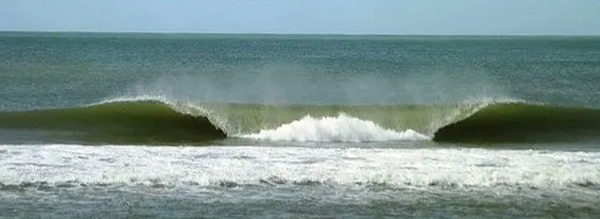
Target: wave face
x,y
157,121
147,122
520,122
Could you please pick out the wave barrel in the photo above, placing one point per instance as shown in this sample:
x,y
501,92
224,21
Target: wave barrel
x,y
524,123
146,122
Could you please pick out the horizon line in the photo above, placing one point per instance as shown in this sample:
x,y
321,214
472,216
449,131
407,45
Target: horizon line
x,y
284,34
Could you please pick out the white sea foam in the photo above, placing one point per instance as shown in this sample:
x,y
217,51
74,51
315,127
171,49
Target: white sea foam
x,y
159,98
289,166
343,128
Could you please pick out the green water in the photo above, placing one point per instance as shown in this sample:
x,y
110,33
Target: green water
x,y
291,126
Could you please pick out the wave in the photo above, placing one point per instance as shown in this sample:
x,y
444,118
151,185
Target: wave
x,y
521,122
150,120
128,122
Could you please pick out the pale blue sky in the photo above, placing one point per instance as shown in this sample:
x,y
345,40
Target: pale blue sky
x,y
470,17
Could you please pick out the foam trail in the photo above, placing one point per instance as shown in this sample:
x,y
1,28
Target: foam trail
x,y
432,168
342,128
158,98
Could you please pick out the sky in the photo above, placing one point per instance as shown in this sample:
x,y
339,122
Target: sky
x,y
421,17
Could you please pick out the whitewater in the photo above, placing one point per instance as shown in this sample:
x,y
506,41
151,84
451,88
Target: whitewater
x,y
132,181
443,170
342,128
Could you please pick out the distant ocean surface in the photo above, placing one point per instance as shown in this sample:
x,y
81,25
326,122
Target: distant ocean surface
x,y
107,125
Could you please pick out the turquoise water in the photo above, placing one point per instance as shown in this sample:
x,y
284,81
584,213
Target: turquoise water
x,y
290,126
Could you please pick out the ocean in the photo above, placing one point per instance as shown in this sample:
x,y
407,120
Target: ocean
x,y
140,125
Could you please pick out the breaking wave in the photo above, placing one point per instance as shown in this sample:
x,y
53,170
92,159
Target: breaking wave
x,y
148,120
128,122
342,128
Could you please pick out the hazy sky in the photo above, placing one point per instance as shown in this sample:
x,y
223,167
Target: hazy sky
x,y
545,17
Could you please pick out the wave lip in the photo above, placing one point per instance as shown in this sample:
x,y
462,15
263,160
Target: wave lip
x,y
342,128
